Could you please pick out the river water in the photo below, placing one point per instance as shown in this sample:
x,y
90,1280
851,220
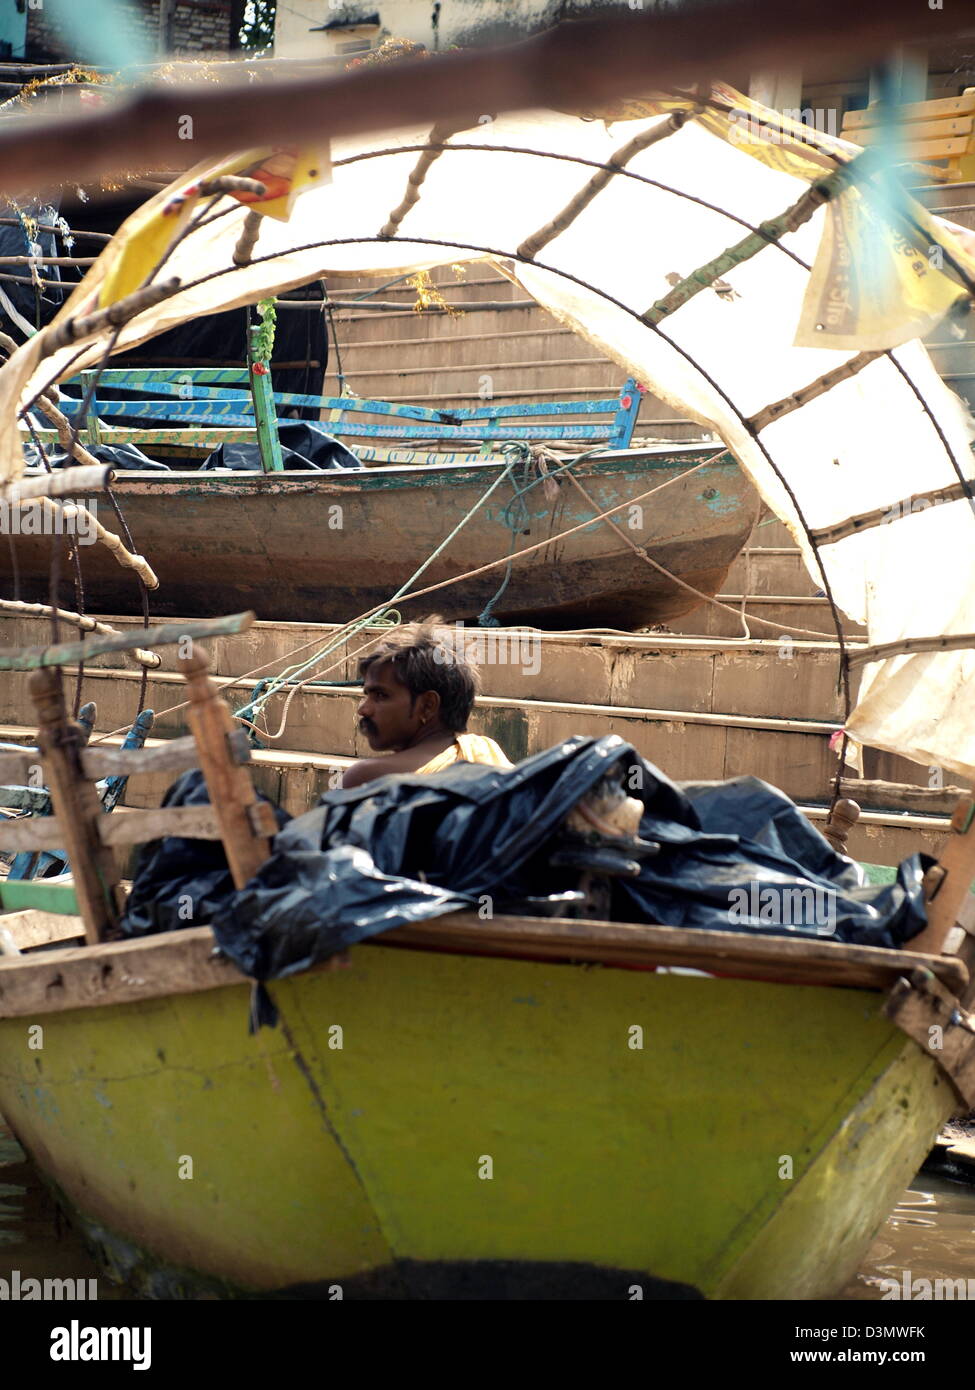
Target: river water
x,y
931,1233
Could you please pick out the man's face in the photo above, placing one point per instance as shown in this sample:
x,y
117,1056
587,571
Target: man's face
x,y
385,713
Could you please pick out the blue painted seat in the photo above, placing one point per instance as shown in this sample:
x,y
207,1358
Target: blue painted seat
x,y
197,401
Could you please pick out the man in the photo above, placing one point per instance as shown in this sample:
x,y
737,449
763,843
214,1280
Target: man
x,y
418,688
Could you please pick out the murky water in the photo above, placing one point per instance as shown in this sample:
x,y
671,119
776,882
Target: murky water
x,y
34,1240
931,1234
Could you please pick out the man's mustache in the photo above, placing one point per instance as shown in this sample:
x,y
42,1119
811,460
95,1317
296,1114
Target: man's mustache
x,y
366,726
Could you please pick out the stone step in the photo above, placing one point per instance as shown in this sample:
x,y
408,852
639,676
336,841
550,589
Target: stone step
x,y
772,532
782,611
778,570
762,677
296,780
791,753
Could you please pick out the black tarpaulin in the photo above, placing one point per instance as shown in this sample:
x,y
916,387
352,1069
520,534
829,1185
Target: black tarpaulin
x,y
304,444
405,848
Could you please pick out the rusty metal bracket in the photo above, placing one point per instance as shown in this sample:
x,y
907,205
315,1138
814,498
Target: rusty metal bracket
x,y
262,819
930,1014
240,749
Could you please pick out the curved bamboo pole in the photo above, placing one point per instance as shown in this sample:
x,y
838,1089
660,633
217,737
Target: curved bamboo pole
x,y
64,517
146,658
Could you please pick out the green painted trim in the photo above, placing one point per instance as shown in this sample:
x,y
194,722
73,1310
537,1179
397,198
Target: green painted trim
x,y
268,441
49,895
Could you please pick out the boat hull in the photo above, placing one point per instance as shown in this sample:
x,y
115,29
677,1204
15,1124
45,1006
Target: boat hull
x,y
303,547
428,1124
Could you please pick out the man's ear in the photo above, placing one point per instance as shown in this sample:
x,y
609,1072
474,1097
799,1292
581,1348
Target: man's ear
x,y
428,706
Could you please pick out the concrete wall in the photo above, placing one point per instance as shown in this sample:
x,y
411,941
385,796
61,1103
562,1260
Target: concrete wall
x,y
13,27
199,27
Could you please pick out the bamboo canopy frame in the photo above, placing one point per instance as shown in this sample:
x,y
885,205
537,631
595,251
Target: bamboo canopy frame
x,y
71,328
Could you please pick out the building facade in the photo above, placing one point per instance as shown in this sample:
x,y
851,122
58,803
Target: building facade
x,y
347,28
181,28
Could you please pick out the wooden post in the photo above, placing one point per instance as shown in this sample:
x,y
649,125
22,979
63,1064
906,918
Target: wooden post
x,y
76,806
245,823
843,816
946,885
780,89
265,414
90,380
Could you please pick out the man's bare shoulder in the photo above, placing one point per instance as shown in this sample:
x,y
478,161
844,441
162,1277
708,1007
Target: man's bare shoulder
x,y
368,769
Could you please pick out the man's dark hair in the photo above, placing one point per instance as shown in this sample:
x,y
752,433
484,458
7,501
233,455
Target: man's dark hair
x,y
427,657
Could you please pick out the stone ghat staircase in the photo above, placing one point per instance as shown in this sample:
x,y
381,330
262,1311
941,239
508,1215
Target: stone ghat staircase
x,y
699,706
776,586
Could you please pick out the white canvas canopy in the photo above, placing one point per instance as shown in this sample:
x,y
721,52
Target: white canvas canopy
x,y
888,432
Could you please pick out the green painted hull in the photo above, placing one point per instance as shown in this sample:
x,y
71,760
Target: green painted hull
x,y
749,1149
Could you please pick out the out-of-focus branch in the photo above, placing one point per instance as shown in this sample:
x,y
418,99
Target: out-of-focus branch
x,y
573,66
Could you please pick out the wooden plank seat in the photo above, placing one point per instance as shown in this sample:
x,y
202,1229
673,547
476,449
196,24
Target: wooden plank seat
x,y
208,406
938,137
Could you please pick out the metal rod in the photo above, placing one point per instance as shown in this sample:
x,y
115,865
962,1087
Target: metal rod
x,y
461,306
44,284
58,231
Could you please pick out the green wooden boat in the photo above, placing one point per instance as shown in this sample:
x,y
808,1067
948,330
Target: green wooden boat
x,y
300,546
471,1109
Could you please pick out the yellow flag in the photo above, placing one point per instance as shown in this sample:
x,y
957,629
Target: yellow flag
x,y
285,172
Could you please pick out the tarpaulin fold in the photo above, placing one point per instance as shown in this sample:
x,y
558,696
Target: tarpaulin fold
x,y
406,848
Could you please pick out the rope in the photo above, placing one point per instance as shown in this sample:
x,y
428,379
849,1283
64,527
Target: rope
x,y
516,516
288,675
365,618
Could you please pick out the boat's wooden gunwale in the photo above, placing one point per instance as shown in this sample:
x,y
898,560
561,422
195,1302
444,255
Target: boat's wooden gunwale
x,y
376,479
186,962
